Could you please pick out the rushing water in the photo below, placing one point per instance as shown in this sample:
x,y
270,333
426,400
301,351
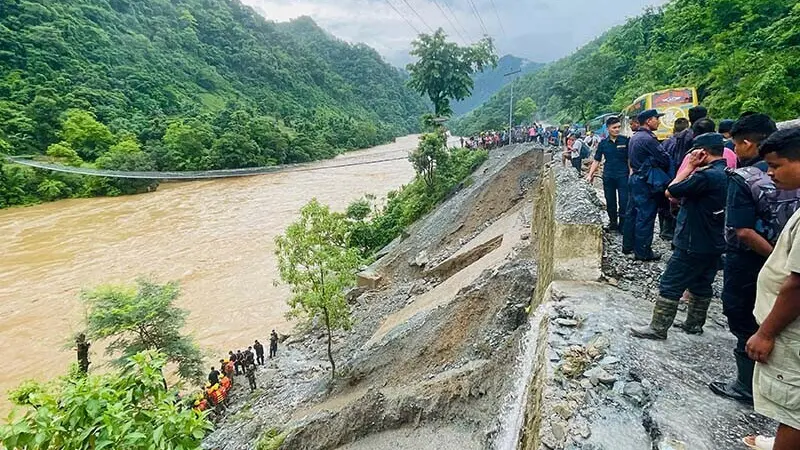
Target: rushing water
x,y
215,237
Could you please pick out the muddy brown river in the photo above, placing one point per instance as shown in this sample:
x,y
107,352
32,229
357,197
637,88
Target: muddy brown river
x,y
215,237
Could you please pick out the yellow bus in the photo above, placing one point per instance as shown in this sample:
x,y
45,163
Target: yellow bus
x,y
673,103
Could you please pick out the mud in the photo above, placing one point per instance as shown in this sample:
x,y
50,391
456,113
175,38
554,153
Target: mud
x,y
426,362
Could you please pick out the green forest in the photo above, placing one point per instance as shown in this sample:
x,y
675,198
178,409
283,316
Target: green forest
x,y
742,55
181,85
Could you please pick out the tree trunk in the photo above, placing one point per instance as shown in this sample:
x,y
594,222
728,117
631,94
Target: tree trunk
x,y
330,352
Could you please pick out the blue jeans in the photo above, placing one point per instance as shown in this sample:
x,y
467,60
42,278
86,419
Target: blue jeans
x,y
692,271
614,187
640,219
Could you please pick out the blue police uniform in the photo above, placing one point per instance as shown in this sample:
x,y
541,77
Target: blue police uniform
x,y
699,234
644,153
615,177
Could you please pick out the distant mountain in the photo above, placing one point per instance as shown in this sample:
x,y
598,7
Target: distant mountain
x,y
490,81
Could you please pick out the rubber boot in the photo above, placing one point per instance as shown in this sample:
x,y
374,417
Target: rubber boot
x,y
741,389
664,314
696,316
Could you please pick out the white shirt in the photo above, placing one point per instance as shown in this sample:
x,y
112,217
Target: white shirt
x,y
784,260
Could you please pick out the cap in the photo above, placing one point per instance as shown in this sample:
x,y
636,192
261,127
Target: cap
x,y
644,116
708,140
726,125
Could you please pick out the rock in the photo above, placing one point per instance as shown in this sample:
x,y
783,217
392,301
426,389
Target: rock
x,y
608,361
559,430
613,281
563,410
599,375
586,383
525,236
567,322
422,259
635,391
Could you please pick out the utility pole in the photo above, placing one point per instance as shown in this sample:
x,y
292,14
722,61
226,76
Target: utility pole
x,y
511,103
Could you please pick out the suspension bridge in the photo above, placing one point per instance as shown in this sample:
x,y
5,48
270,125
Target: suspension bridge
x,y
186,175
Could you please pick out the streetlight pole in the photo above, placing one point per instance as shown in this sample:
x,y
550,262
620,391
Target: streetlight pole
x,y
511,104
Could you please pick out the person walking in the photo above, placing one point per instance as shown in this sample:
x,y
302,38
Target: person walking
x,y
614,149
259,353
699,239
250,372
756,214
774,347
273,344
647,181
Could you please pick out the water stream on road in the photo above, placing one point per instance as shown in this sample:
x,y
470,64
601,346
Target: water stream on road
x,y
215,237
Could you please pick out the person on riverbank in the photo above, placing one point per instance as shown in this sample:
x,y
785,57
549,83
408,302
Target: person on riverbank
x,y
259,353
756,215
648,178
614,149
573,152
774,347
699,240
273,344
213,376
250,372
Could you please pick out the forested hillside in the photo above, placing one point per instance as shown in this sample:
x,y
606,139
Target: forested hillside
x,y
488,82
740,54
182,85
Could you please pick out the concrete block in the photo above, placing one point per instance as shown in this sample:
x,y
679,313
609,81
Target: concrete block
x,y
578,252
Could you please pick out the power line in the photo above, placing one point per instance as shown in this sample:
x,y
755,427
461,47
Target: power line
x,y
480,19
418,16
455,17
403,17
498,17
435,2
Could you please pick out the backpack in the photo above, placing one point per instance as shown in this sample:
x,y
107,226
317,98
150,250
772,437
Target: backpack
x,y
774,207
585,150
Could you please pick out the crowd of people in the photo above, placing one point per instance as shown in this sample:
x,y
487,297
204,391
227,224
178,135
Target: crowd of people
x,y
216,391
492,139
727,197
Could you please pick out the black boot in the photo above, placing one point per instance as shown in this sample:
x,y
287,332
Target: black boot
x,y
741,389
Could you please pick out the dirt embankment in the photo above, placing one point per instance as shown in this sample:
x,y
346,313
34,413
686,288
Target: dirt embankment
x,y
434,345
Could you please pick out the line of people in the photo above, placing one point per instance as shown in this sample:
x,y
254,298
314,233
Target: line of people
x,y
736,191
220,381
494,139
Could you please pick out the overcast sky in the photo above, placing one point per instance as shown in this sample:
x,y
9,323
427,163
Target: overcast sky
x,y
540,30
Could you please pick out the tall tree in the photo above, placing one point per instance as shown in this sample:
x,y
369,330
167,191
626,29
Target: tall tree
x,y
444,69
315,259
129,409
143,317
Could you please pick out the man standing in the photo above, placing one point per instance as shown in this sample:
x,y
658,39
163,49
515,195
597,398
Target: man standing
x,y
614,149
573,152
648,177
213,376
756,215
699,239
250,372
273,344
774,347
259,353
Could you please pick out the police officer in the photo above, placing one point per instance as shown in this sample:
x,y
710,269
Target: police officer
x,y
699,239
614,149
752,228
648,164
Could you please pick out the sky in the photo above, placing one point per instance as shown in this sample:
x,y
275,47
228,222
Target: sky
x,y
539,30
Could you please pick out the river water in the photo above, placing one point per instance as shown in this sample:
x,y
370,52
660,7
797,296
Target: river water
x,y
215,237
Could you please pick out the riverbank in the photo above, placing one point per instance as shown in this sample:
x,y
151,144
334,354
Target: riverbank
x,y
215,237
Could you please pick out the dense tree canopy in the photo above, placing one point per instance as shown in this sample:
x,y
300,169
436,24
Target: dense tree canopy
x,y
740,54
193,84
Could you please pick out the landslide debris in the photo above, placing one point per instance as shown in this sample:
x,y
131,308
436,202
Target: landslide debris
x,y
427,363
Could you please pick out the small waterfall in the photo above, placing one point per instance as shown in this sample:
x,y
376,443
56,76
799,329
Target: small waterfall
x,y
512,415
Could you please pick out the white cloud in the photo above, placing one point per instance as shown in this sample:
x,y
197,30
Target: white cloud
x,y
540,30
